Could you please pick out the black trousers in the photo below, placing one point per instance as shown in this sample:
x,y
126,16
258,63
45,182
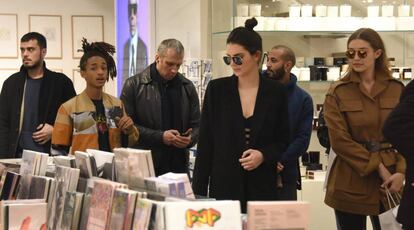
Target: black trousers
x,y
408,227
287,192
351,221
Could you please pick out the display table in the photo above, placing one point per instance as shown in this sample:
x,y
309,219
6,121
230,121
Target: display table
x,y
322,217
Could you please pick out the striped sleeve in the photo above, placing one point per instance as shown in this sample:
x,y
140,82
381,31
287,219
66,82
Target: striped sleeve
x,y
63,128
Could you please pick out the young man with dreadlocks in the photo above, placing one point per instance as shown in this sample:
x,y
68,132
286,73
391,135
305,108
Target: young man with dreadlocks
x,y
94,119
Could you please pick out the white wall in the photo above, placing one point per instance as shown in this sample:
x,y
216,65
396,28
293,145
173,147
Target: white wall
x,y
187,21
66,9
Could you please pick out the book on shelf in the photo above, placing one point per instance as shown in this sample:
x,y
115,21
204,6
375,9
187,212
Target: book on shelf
x,y
35,187
34,163
9,184
67,161
221,215
102,159
165,186
85,211
142,214
123,206
86,164
28,165
278,215
12,164
66,179
157,215
23,214
101,204
181,177
72,211
133,165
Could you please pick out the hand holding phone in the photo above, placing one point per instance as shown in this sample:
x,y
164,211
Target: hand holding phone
x,y
187,133
183,140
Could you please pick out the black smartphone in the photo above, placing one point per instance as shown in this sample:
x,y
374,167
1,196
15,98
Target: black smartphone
x,y
186,134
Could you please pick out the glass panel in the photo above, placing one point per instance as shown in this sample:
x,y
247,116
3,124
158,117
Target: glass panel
x,y
222,15
309,41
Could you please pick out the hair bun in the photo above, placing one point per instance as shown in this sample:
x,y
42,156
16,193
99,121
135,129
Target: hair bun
x,y
250,23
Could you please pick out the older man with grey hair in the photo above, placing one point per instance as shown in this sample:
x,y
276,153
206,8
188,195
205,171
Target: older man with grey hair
x,y
164,106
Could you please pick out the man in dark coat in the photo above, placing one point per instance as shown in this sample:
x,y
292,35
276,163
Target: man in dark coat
x,y
399,131
29,101
165,107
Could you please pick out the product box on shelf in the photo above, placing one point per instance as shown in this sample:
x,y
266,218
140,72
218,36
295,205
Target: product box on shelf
x,y
320,11
332,11
255,10
387,10
316,174
404,23
404,11
294,11
278,215
306,10
243,10
345,10
373,11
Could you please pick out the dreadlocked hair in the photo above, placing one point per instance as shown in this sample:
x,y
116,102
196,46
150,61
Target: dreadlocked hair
x,y
101,49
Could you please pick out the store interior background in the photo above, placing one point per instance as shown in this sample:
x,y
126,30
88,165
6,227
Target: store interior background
x,y
202,26
186,20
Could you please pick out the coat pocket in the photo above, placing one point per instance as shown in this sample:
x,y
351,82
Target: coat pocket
x,y
388,103
353,110
386,106
348,180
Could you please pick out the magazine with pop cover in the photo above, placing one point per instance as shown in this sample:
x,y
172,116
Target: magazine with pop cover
x,y
217,215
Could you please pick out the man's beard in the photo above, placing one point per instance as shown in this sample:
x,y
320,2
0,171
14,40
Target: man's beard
x,y
275,74
34,65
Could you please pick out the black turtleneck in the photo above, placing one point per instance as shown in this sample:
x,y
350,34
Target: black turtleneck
x,y
170,100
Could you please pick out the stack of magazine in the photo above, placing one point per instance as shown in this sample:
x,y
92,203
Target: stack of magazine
x,y
107,205
16,183
171,184
92,163
34,163
66,180
132,166
31,200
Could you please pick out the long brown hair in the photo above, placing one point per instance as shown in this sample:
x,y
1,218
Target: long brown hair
x,y
373,38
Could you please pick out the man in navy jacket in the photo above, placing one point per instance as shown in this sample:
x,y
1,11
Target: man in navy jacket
x,y
280,61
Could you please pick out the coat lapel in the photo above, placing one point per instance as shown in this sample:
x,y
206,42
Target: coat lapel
x,y
236,114
20,85
260,111
380,85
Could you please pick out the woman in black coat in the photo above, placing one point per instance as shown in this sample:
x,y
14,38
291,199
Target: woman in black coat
x,y
399,131
244,127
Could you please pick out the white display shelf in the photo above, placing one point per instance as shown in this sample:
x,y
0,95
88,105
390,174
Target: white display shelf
x,y
329,24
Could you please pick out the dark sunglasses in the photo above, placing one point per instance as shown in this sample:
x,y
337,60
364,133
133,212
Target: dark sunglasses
x,y
236,59
351,54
